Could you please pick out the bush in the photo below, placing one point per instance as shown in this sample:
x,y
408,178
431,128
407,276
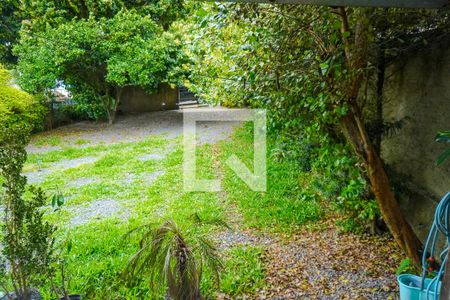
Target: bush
x,y
27,242
329,171
17,106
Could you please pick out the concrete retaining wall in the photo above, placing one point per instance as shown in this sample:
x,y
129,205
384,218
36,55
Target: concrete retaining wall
x,y
418,87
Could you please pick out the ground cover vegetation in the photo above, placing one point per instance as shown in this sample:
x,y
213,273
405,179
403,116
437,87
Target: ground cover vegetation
x,y
102,245
310,67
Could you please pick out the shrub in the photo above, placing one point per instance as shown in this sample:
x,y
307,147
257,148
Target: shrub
x,y
27,243
17,106
333,174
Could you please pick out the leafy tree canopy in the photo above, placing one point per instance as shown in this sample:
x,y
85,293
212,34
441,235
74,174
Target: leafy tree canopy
x,y
50,13
97,57
10,23
291,58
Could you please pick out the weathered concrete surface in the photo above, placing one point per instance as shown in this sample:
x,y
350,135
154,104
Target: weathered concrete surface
x,y
418,87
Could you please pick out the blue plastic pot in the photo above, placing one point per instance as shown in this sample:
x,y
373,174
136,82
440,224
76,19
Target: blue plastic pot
x,y
410,288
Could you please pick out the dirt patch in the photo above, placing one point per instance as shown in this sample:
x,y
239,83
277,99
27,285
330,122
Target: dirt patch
x,y
132,128
97,210
235,238
147,177
79,182
39,175
151,156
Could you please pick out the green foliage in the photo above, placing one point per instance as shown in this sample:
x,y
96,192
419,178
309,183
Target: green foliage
x,y
336,177
286,203
9,33
41,14
244,271
304,181
171,260
27,241
48,141
257,62
406,266
292,61
18,107
96,58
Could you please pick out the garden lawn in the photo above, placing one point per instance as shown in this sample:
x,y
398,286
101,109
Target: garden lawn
x,y
110,189
113,188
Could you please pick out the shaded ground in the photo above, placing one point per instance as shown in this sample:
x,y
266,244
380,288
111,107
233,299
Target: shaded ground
x,y
319,264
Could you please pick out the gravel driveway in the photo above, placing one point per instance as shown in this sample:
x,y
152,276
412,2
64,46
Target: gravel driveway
x,y
133,128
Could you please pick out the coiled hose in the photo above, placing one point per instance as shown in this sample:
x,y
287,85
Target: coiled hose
x,y
441,225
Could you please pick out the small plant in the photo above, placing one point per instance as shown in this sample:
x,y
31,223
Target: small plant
x,y
173,261
61,286
406,266
27,240
48,141
57,199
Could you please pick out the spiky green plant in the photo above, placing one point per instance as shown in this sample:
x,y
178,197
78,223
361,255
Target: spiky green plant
x,y
173,261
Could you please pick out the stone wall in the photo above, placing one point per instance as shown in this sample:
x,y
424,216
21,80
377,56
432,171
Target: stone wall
x,y
137,100
418,87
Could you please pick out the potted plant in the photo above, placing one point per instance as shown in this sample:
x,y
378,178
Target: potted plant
x,y
172,261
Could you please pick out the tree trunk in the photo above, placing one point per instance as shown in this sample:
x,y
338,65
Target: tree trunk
x,y
111,116
381,74
381,70
113,103
357,53
379,182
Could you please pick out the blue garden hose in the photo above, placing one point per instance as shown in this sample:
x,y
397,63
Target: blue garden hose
x,y
441,225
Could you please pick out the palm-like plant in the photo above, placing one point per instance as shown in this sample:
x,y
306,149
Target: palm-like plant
x,y
443,137
167,257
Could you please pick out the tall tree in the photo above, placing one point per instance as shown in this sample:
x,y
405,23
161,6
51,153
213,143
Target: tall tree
x,y
96,48
51,13
309,66
357,54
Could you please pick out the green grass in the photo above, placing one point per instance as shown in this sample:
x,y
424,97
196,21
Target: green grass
x,y
101,251
47,141
244,272
80,142
283,205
